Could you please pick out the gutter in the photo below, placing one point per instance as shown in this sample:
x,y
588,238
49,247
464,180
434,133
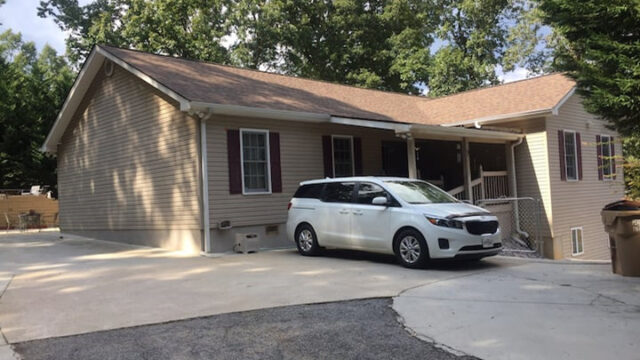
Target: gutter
x,y
501,118
249,111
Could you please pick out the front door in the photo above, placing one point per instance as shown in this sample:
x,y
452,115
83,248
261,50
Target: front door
x,y
334,215
394,158
370,223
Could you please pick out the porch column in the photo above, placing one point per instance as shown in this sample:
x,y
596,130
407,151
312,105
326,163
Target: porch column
x,y
510,169
466,169
411,157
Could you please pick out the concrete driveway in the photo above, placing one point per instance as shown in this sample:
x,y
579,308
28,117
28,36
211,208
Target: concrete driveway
x,y
539,310
57,287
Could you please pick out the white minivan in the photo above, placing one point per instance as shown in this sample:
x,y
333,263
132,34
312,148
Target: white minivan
x,y
412,219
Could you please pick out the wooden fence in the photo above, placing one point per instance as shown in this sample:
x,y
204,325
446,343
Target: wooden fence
x,y
11,206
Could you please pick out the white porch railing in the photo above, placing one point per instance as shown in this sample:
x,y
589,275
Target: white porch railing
x,y
490,185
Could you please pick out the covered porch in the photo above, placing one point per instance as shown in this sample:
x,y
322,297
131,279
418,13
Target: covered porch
x,y
470,164
459,167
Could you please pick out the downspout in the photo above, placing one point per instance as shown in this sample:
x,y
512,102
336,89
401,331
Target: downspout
x,y
204,171
515,190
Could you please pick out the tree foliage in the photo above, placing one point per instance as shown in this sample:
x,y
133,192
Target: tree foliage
x,y
32,88
383,44
186,28
602,53
478,37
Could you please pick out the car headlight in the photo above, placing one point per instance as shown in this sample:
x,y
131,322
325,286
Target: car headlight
x,y
450,223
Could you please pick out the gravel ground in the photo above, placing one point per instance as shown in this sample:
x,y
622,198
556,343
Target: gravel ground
x,y
360,329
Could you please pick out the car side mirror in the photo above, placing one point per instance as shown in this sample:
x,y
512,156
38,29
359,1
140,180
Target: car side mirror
x,y
380,200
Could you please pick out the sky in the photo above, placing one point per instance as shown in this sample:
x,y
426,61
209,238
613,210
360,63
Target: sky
x,y
21,16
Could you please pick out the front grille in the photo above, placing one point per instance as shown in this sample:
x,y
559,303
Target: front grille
x,y
482,227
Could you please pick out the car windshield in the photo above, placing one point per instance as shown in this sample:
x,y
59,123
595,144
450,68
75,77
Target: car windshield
x,y
419,192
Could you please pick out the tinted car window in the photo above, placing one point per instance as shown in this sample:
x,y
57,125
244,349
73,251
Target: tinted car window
x,y
311,191
338,192
368,191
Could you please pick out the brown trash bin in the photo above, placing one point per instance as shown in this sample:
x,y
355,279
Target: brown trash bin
x,y
622,221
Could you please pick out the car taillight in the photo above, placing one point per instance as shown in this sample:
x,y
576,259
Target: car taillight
x,y
289,206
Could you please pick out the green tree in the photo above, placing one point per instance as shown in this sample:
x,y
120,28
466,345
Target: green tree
x,y
32,88
631,149
476,37
601,51
187,28
379,44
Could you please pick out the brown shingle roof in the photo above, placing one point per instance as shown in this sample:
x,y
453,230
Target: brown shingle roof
x,y
539,93
219,84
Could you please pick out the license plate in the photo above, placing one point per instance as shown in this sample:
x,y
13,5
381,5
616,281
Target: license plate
x,y
487,242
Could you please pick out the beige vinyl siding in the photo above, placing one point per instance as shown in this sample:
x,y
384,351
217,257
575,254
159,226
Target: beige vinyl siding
x,y
128,161
578,203
532,170
301,159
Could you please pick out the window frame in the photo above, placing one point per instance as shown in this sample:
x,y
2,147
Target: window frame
x,y
606,177
268,191
333,154
575,155
576,229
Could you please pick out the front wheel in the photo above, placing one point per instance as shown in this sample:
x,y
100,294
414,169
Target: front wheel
x,y
411,249
306,240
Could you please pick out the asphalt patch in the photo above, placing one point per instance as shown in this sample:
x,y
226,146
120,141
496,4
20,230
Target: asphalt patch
x,y
360,329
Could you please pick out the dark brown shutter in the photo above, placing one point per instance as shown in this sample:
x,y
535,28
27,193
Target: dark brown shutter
x,y
579,155
233,157
563,170
357,156
613,157
274,154
599,152
327,153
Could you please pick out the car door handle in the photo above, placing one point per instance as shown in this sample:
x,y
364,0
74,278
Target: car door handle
x,y
357,213
344,211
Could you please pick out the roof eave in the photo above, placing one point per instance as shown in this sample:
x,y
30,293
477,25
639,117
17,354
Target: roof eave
x,y
201,108
503,117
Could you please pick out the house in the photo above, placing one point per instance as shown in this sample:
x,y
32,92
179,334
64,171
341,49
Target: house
x,y
182,154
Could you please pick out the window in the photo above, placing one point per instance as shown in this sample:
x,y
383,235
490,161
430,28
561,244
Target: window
x,y
419,192
571,155
607,157
576,241
342,156
338,192
311,191
255,161
368,191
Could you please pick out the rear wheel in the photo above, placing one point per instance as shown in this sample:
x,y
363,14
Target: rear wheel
x,y
411,249
306,240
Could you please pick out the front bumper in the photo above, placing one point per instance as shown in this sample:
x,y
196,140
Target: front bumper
x,y
462,244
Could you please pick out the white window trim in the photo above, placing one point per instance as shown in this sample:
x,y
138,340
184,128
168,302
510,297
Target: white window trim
x,y
581,239
575,155
333,157
604,176
268,153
